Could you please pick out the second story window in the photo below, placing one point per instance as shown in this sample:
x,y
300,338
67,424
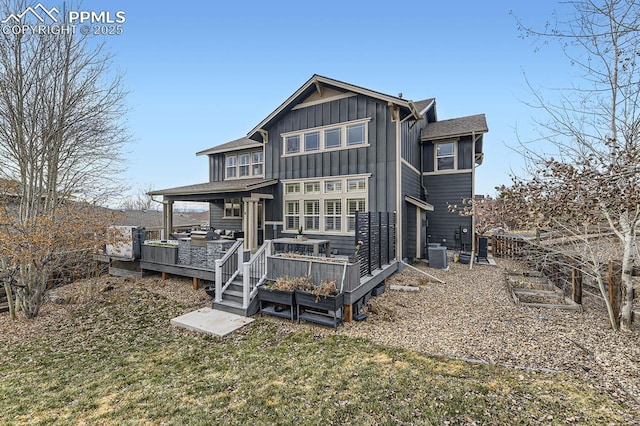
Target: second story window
x,y
231,166
244,165
346,135
445,156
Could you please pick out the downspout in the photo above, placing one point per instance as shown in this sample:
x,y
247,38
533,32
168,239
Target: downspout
x,y
399,206
473,192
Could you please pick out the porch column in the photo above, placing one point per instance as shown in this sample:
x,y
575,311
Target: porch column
x,y
167,216
250,223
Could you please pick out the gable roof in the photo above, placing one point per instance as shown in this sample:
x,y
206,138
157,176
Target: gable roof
x,y
424,105
234,145
455,127
318,81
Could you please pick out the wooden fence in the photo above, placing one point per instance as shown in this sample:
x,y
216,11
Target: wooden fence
x,y
562,270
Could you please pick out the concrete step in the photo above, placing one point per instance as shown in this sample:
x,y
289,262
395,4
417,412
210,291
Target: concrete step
x,y
236,307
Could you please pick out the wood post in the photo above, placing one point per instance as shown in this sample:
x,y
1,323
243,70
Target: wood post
x,y
196,283
615,288
576,285
348,313
164,276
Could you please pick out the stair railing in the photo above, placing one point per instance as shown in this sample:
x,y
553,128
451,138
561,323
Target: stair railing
x,y
228,267
254,273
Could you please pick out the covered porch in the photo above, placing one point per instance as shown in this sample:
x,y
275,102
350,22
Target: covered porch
x,y
236,206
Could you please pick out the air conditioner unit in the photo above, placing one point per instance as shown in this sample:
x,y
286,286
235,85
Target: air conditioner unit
x,y
438,257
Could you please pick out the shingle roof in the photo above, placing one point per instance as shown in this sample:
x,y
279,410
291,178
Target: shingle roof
x,y
238,185
455,127
235,145
421,105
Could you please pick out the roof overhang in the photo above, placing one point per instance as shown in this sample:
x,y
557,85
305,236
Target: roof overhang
x,y
214,188
235,145
422,205
475,125
317,81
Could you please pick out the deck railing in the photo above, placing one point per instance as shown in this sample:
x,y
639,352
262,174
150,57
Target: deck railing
x,y
227,268
254,273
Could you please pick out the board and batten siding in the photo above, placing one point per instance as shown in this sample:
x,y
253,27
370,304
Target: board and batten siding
x,y
411,185
465,154
216,167
445,189
378,158
411,132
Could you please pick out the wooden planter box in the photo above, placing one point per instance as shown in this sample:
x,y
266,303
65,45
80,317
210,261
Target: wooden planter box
x,y
279,297
319,270
332,304
160,254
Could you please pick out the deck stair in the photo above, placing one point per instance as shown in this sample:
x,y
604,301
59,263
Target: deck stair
x,y
238,275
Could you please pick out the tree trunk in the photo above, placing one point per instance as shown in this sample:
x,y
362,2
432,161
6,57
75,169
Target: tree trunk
x,y
626,313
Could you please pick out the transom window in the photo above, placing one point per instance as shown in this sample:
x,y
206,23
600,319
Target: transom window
x,y
445,156
243,165
324,205
351,134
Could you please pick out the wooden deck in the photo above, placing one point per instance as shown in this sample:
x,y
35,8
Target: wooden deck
x,y
195,272
369,282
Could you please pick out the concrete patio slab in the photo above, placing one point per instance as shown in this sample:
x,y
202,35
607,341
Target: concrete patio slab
x,y
211,321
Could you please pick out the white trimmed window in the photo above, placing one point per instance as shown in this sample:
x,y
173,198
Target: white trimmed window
x,y
350,134
354,205
231,161
324,206
333,215
445,156
257,162
312,215
292,144
292,215
232,208
244,165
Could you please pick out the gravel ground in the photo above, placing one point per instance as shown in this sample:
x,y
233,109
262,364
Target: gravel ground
x,y
473,317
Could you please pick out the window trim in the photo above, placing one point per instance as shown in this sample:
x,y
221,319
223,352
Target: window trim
x,y
231,201
343,127
343,196
236,165
454,155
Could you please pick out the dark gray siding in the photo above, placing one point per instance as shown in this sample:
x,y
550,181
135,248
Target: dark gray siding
x,y
217,220
216,168
377,159
410,186
411,141
465,155
443,190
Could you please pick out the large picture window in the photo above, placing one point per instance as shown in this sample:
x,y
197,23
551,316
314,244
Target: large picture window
x,y
244,165
324,205
350,134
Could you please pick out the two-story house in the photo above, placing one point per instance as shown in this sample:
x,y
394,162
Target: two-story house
x,y
332,149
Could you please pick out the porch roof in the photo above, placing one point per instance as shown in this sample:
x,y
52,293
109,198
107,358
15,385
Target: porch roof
x,y
227,186
455,127
422,205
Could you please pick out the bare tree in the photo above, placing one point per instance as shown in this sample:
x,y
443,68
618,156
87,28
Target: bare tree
x,y
594,126
61,134
141,200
